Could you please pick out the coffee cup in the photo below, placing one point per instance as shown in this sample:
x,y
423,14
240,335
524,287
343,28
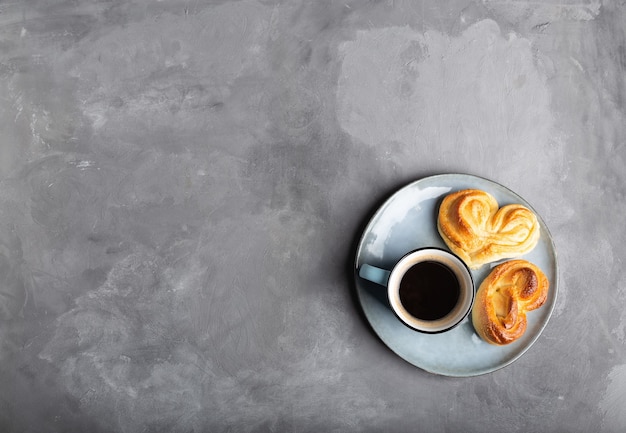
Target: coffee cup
x,y
430,290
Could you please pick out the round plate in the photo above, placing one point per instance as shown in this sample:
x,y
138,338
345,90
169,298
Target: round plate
x,y
407,221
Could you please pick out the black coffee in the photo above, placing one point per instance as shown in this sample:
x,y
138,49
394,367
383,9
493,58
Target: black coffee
x,y
429,290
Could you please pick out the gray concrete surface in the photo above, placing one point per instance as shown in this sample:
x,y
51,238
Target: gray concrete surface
x,y
183,184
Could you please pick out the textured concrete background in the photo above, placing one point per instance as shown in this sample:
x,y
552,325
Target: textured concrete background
x,y
183,184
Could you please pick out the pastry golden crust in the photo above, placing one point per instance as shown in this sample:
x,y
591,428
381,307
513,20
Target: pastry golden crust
x,y
511,290
479,232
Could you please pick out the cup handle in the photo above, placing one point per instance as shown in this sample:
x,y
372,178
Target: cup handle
x,y
374,274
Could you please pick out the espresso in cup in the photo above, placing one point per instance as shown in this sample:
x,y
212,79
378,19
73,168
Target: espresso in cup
x,y
430,290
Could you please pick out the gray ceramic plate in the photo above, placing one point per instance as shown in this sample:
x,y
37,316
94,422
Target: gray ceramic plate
x,y
406,221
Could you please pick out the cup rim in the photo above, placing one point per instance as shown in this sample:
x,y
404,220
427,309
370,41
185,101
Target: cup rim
x,y
414,324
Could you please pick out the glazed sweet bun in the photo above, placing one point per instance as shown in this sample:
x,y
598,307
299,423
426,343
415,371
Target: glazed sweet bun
x,y
511,290
478,231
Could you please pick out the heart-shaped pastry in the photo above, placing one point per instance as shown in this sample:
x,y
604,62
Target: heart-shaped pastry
x,y
511,290
478,231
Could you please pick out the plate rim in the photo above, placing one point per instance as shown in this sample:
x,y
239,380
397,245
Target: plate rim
x,y
543,225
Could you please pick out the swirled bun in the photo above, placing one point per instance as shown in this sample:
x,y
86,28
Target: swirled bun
x,y
511,290
478,231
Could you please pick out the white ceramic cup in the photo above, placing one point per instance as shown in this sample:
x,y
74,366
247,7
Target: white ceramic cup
x,y
412,267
